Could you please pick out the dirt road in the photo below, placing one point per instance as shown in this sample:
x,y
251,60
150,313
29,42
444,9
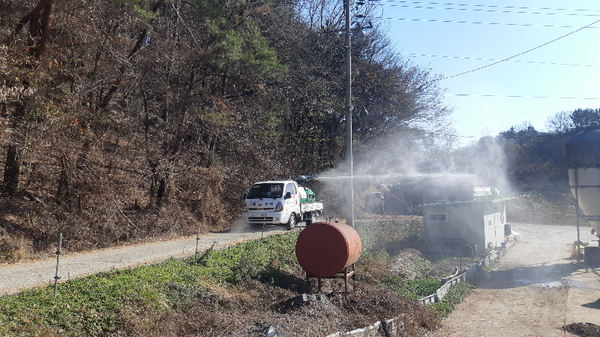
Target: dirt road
x,y
16,277
534,290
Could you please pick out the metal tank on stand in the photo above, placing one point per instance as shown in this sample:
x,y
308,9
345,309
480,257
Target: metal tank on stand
x,y
583,162
328,250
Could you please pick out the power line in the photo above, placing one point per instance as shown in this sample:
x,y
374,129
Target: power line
x,y
439,134
481,23
520,96
508,9
525,52
493,11
518,61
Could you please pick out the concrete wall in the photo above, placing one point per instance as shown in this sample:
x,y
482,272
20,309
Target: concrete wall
x,y
462,222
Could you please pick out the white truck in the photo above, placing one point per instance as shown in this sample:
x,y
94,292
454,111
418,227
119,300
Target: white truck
x,y
283,202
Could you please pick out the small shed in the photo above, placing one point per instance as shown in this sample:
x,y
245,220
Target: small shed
x,y
464,227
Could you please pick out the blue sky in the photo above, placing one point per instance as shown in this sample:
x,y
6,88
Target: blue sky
x,y
496,30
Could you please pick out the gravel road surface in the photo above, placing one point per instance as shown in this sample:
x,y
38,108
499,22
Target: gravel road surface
x,y
534,290
16,277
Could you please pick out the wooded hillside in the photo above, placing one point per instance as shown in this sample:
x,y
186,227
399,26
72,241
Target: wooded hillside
x,y
127,119
537,160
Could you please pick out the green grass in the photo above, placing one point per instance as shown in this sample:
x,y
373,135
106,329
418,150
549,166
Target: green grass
x,y
489,267
413,289
95,305
367,254
423,287
456,294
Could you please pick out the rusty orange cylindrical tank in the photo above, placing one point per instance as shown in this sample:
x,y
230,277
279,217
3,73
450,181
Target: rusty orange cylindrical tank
x,y
324,249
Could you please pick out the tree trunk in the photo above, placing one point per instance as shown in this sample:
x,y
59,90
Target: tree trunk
x,y
47,17
12,169
158,189
64,191
12,165
161,193
40,22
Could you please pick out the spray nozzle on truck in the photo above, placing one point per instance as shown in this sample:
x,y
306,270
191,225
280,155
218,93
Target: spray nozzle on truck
x,y
284,202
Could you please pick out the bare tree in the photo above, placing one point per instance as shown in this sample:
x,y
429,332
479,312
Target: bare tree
x,y
560,123
40,23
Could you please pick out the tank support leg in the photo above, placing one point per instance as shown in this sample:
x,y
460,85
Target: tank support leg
x,y
346,280
347,275
308,284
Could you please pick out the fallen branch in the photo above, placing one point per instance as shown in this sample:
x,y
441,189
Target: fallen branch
x,y
126,218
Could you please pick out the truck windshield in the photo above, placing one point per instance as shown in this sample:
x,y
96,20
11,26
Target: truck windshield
x,y
265,191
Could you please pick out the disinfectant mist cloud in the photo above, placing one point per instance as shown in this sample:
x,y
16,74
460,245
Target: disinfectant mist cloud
x,y
392,160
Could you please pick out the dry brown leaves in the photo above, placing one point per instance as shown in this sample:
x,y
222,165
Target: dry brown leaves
x,y
258,307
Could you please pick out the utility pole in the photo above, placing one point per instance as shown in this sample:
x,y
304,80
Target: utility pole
x,y
349,109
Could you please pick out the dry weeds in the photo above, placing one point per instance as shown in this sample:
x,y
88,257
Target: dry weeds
x,y
554,209
259,306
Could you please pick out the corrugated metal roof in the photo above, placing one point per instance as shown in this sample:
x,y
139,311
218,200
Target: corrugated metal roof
x,y
591,134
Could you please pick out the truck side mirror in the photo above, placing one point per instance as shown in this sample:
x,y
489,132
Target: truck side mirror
x,y
244,196
288,195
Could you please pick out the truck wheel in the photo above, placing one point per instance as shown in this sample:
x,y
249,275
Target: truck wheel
x,y
291,222
312,219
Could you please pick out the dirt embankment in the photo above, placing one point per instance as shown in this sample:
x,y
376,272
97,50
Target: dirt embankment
x,y
557,209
